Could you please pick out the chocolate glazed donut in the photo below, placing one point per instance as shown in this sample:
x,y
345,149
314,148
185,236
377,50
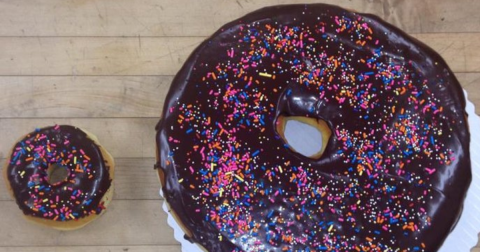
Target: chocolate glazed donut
x,y
80,197
394,173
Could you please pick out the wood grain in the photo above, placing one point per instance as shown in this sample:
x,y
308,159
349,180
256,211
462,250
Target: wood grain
x,y
82,96
122,137
158,248
135,178
126,222
163,55
93,55
202,18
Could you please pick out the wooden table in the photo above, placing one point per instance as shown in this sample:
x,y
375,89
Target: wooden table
x,y
105,65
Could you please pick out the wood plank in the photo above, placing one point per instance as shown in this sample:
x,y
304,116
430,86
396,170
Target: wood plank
x,y
93,56
163,56
83,96
126,222
139,18
135,178
160,248
183,18
433,16
122,137
108,96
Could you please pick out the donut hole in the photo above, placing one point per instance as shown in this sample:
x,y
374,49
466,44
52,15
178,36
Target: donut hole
x,y
304,135
57,174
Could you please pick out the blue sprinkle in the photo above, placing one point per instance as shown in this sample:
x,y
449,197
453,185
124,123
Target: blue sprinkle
x,y
270,214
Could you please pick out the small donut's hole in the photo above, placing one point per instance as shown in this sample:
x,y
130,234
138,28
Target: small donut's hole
x,y
56,174
304,135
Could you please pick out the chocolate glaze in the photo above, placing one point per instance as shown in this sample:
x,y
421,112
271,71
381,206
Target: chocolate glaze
x,y
426,188
28,178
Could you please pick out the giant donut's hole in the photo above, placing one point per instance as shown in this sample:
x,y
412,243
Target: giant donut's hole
x,y
57,174
304,135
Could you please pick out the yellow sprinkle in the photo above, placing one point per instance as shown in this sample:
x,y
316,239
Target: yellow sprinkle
x,y
71,216
280,168
238,177
220,192
75,160
220,237
228,173
28,148
180,180
45,200
265,75
330,228
211,166
22,173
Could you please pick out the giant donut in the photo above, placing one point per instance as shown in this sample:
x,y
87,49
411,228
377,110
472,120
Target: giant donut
x,y
393,175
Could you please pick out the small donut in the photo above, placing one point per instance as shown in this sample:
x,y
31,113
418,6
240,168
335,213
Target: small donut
x,y
393,173
62,202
